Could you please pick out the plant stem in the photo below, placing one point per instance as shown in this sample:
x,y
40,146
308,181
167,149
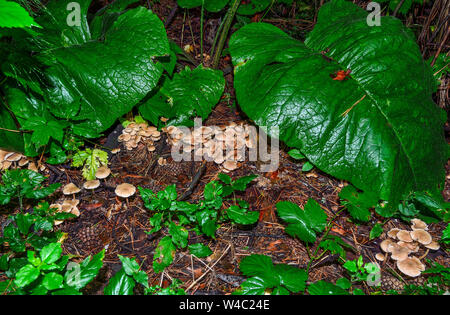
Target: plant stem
x,y
224,33
314,257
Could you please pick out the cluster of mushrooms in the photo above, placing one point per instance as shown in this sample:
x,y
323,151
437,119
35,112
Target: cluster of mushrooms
x,y
15,160
71,206
225,145
135,133
402,243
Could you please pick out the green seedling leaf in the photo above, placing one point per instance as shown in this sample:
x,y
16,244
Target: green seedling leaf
x,y
164,254
358,203
130,266
51,253
52,281
200,250
376,231
120,284
242,216
179,235
296,154
26,275
78,276
305,223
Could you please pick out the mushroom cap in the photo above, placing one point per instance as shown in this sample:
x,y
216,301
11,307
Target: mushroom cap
x,y
66,208
421,236
399,252
75,211
14,157
102,172
393,233
230,165
71,189
413,246
379,256
91,184
418,224
125,190
23,161
410,266
71,202
404,236
433,245
385,245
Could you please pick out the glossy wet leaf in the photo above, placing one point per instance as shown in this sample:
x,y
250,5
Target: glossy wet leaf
x,y
379,129
200,250
120,284
164,254
322,287
189,93
210,5
14,15
358,203
79,275
105,77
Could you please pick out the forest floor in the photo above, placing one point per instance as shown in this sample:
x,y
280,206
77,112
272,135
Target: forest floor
x,y
107,222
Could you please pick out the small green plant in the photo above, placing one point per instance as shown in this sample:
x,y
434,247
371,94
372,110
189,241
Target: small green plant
x,y
360,271
266,277
22,184
90,160
48,272
33,229
172,289
180,217
124,281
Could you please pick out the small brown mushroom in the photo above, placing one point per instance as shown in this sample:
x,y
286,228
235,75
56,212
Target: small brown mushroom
x,y
230,165
421,236
433,245
91,184
125,191
418,224
379,256
71,189
393,233
385,245
404,236
102,172
411,266
399,252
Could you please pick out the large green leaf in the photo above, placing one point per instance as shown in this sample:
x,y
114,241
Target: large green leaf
x,y
379,129
13,15
188,93
120,284
210,5
107,76
267,275
10,137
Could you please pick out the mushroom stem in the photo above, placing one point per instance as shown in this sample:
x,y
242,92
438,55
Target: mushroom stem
x,y
424,255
